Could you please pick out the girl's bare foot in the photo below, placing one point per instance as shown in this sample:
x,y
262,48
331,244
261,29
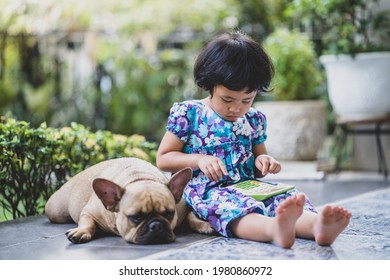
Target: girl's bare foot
x,y
329,224
287,214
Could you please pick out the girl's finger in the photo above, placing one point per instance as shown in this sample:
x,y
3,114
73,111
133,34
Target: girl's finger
x,y
223,168
274,167
265,164
217,173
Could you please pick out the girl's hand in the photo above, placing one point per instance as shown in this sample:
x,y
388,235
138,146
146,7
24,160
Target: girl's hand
x,y
267,164
212,167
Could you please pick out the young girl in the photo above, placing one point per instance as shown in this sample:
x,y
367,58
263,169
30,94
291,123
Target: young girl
x,y
222,139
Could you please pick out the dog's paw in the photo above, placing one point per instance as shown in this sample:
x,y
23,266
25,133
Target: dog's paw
x,y
78,235
199,225
205,228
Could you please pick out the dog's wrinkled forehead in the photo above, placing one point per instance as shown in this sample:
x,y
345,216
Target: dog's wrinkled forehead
x,y
149,197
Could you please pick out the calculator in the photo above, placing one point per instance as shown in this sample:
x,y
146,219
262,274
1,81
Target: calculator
x,y
261,190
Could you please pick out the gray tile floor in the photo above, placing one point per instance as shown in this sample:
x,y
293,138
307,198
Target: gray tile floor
x,y
37,238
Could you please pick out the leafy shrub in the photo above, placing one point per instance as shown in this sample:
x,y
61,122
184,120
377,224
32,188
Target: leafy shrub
x,y
344,26
297,75
34,162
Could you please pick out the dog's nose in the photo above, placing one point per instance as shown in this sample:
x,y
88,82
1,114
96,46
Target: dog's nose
x,y
156,226
156,231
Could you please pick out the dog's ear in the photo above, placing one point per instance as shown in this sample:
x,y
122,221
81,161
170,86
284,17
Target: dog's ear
x,y
179,181
108,192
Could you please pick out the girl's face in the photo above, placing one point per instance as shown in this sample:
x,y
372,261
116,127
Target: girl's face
x,y
229,104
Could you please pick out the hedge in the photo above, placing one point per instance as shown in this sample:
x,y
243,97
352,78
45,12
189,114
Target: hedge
x,y
34,162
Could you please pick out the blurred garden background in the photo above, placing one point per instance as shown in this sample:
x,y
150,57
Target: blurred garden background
x,y
83,81
116,65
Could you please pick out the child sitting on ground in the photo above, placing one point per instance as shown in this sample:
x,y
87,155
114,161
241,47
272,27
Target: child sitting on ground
x,y
222,137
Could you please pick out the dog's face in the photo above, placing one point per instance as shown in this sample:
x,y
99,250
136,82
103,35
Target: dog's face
x,y
145,210
147,214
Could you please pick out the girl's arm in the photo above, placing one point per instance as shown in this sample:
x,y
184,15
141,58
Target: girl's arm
x,y
264,163
170,158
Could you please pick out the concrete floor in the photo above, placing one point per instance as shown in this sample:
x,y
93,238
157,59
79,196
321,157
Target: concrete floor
x,y
36,238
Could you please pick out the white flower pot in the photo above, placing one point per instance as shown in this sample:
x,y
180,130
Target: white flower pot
x,y
358,86
295,129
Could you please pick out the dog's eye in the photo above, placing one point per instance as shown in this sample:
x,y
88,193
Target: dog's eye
x,y
135,219
169,214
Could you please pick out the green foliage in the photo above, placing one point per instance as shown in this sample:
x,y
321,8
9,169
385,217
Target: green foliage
x,y
297,75
141,98
260,17
53,55
34,162
343,26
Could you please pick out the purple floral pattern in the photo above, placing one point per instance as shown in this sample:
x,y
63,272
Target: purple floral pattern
x,y
204,132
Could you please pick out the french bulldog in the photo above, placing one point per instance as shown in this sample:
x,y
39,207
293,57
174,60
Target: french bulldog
x,y
128,197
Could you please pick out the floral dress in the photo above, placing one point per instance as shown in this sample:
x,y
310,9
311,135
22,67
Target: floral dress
x,y
204,132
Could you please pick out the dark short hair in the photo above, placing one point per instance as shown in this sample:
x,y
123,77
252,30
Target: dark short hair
x,y
235,61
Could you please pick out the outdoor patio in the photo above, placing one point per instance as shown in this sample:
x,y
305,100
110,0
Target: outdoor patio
x,y
367,195
85,81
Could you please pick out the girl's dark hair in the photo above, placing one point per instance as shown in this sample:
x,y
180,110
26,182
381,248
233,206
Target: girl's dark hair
x,y
235,61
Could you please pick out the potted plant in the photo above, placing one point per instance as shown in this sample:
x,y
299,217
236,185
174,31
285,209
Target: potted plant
x,y
353,39
296,118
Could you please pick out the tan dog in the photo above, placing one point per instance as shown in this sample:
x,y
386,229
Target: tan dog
x,y
128,197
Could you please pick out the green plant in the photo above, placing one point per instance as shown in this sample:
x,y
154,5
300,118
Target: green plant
x,y
29,162
143,56
297,75
260,17
34,162
141,98
343,26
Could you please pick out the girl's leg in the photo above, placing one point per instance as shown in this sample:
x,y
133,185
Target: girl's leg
x,y
280,229
323,227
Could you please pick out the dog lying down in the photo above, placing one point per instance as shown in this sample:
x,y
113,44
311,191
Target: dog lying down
x,y
128,197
